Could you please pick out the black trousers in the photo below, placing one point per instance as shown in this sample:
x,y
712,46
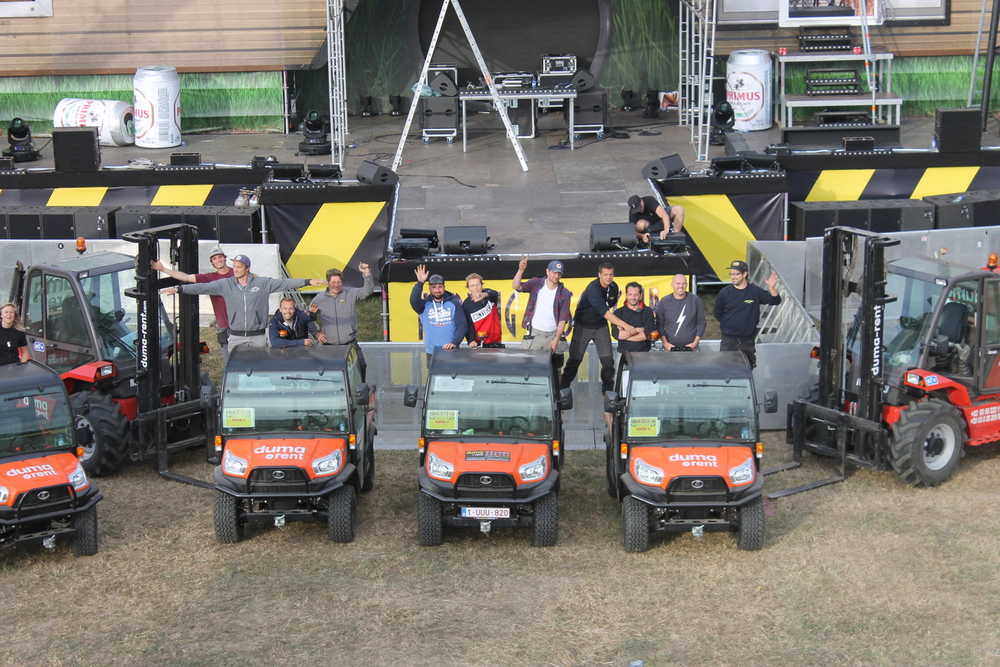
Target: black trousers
x,y
602,340
744,344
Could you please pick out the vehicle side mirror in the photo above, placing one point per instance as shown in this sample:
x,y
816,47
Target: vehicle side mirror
x,y
566,399
410,396
770,401
611,403
362,394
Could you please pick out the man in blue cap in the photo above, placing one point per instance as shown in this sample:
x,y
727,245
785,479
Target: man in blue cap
x,y
547,313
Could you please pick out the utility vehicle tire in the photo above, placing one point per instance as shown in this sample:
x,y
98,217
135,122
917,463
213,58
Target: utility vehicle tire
x,y
109,432
546,525
751,532
228,522
635,525
429,521
368,483
342,514
85,538
927,442
609,472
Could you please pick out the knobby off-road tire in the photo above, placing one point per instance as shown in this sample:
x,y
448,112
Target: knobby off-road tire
x,y
635,525
228,522
109,432
85,538
750,536
545,528
342,514
927,442
429,522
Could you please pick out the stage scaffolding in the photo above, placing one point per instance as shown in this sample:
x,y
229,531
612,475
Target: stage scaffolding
x,y
697,67
337,79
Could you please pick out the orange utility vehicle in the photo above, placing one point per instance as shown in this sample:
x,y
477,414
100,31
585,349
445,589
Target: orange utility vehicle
x,y
44,492
491,443
297,439
683,450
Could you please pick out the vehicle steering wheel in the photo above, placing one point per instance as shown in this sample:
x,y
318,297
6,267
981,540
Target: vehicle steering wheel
x,y
317,421
517,425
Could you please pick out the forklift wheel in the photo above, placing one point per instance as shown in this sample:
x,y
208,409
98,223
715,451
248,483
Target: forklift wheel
x,y
546,525
342,514
108,446
429,520
228,522
927,442
85,539
751,532
635,525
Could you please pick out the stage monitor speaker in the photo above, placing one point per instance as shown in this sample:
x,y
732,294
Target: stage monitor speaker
x,y
664,167
439,113
443,85
612,236
370,173
76,149
471,240
591,108
582,80
238,224
958,130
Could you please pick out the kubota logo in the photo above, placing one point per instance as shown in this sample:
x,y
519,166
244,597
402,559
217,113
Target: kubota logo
x,y
31,472
695,460
286,452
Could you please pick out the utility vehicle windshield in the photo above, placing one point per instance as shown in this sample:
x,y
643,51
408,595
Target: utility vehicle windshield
x,y
284,401
691,410
114,314
489,405
34,420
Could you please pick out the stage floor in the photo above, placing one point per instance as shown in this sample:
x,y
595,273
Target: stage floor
x,y
548,208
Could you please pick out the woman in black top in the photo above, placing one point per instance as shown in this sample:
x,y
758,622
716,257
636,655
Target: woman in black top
x,y
13,344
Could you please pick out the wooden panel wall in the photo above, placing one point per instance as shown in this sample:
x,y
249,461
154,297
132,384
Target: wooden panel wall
x,y
116,36
957,38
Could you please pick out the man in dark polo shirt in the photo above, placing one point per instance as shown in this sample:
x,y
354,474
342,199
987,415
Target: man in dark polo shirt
x,y
737,307
640,316
650,219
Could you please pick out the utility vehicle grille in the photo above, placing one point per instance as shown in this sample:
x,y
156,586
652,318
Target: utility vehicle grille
x,y
278,480
697,489
485,483
47,499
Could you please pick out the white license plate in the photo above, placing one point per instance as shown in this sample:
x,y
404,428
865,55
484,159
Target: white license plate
x,y
486,512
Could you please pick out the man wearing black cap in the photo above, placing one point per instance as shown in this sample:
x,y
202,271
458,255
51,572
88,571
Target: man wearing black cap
x,y
651,219
441,315
217,258
547,312
737,307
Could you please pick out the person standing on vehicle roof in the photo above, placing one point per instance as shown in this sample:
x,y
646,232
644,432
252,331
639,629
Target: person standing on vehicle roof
x,y
640,316
680,317
482,307
246,295
336,309
737,307
290,326
441,315
13,342
590,323
220,270
547,312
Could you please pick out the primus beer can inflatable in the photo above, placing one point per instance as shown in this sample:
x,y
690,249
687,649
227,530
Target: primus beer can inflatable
x,y
112,118
748,88
157,107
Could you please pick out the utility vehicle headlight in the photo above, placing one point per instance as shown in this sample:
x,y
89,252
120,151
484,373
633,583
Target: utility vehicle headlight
x,y
327,465
647,474
233,465
533,471
4,495
78,478
743,473
438,468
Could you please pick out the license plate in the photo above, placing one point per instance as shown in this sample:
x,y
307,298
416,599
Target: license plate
x,y
485,512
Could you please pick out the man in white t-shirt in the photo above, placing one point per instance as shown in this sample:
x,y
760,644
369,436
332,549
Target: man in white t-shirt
x,y
547,313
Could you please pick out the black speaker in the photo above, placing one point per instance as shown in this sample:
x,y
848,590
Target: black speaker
x,y
612,236
76,149
95,222
591,108
238,224
56,222
978,208
958,130
582,80
884,216
22,222
439,113
370,173
443,85
664,167
131,219
6,164
470,240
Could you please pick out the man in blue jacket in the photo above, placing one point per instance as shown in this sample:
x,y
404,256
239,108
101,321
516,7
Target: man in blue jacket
x,y
290,327
441,315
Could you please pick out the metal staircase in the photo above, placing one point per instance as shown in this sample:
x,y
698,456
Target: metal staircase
x,y
697,67
337,79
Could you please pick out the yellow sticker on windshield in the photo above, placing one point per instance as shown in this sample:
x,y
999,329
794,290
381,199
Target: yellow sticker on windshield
x,y
643,427
442,420
238,418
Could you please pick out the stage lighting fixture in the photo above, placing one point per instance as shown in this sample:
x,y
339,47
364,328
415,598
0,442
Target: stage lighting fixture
x,y
652,107
630,101
368,106
316,138
723,119
19,138
396,103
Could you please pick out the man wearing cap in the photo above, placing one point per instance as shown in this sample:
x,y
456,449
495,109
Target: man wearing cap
x,y
547,312
336,308
441,315
246,296
737,307
651,219
218,260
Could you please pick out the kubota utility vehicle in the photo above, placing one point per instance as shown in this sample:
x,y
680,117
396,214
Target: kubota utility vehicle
x,y
44,491
297,439
683,450
491,443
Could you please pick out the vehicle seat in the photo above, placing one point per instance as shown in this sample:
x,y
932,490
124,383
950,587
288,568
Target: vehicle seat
x,y
954,322
71,325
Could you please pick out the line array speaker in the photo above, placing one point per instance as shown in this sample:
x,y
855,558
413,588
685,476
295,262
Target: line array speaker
x,y
56,222
811,219
978,208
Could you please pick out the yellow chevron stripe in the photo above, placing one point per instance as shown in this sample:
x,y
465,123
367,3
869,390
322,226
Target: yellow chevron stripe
x,y
333,237
181,195
76,196
944,181
840,185
717,228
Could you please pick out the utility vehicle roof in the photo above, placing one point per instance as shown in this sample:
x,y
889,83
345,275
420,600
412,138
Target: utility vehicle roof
x,y
703,364
30,375
490,361
929,269
312,358
92,263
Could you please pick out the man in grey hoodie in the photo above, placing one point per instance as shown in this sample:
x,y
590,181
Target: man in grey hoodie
x,y
680,317
246,296
336,308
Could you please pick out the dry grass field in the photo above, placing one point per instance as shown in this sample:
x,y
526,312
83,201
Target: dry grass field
x,y
868,571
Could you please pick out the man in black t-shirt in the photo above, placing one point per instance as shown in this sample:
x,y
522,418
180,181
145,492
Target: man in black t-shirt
x,y
737,307
650,219
640,316
13,343
590,323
